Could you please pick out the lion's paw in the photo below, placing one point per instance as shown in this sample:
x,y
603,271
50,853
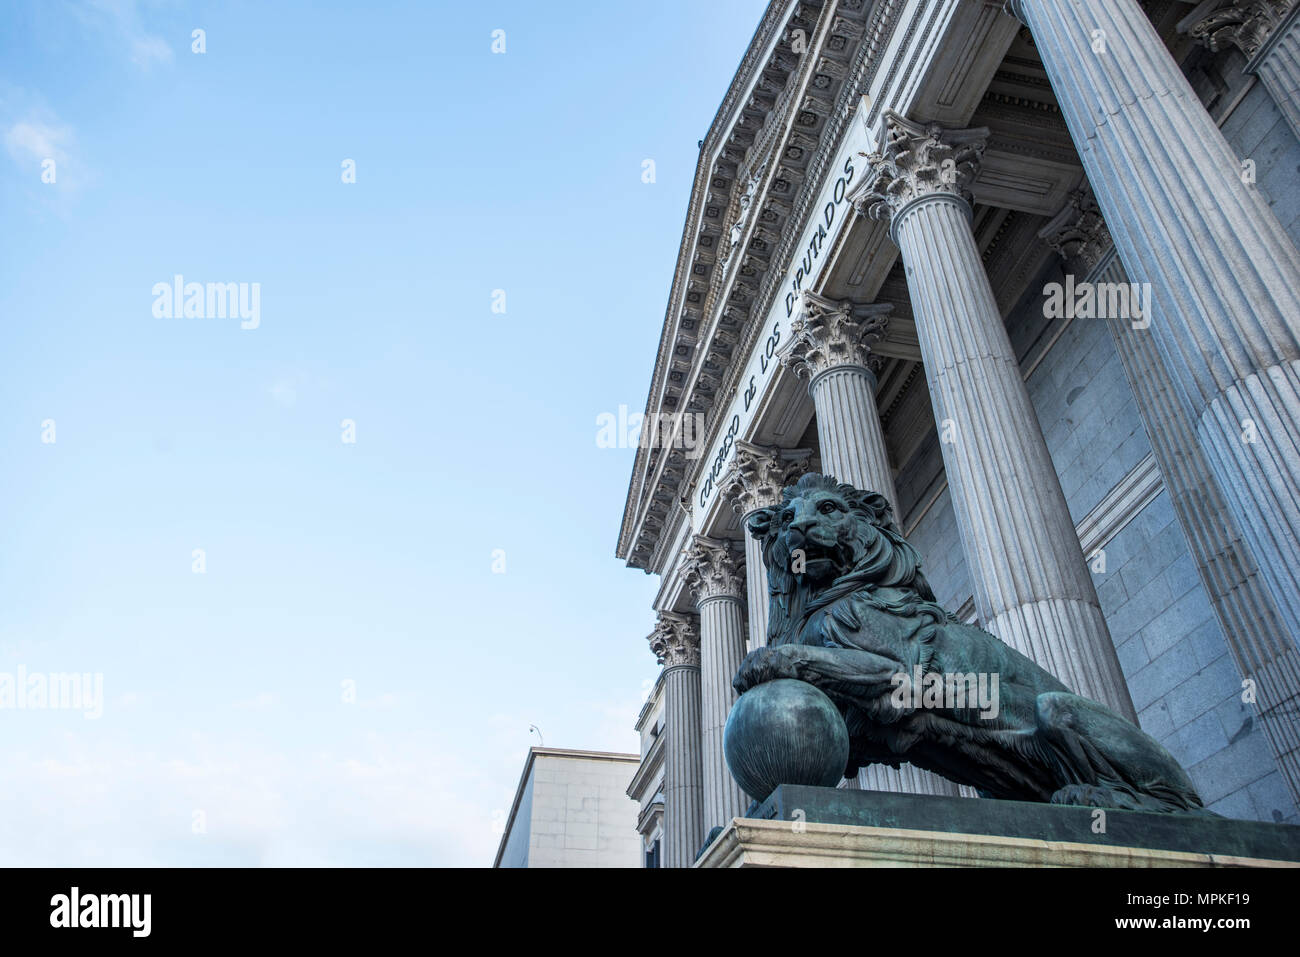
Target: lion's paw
x,y
759,666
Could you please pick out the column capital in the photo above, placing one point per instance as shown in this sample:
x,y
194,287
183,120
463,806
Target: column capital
x,y
831,333
918,160
713,569
1078,233
1245,24
758,473
676,640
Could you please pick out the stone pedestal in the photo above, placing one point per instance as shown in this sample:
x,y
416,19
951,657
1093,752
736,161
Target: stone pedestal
x,y
831,827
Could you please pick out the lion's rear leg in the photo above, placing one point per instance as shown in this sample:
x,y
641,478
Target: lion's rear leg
x,y
1103,760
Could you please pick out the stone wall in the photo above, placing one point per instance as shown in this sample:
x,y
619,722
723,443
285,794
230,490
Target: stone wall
x,y
582,816
1184,683
1256,130
516,850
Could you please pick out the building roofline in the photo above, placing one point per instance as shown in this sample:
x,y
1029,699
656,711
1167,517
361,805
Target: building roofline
x,y
771,23
535,752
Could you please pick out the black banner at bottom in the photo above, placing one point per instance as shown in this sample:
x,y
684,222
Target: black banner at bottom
x,y
129,906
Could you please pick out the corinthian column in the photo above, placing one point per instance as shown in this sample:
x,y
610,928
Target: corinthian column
x,y
1032,586
1224,274
718,582
676,645
754,480
830,343
1268,33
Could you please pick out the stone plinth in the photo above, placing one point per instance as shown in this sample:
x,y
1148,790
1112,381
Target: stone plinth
x,y
834,827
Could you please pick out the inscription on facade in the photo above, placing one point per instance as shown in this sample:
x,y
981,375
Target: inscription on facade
x,y
817,236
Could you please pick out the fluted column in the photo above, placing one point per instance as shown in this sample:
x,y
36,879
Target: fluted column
x,y
717,580
1268,33
1224,274
754,480
1033,588
1241,602
830,343
676,644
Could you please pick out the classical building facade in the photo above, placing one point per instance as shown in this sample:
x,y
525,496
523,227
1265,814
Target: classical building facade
x,y
1029,270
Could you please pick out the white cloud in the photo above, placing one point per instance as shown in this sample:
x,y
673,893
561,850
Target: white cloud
x,y
285,393
120,20
33,140
32,135
264,701
147,50
369,800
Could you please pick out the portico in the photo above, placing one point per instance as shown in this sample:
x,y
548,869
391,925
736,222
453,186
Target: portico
x,y
863,291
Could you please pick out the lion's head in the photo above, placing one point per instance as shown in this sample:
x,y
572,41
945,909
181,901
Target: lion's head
x,y
826,535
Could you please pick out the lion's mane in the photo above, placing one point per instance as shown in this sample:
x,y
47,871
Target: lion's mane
x,y
874,555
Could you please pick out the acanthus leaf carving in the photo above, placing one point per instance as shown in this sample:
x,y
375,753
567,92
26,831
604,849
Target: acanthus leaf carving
x,y
676,640
915,160
1078,233
714,569
758,473
1245,24
831,333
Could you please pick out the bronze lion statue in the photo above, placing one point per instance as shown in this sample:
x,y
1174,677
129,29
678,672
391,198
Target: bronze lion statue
x,y
852,614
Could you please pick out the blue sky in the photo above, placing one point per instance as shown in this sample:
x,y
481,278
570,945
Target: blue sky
x,y
326,561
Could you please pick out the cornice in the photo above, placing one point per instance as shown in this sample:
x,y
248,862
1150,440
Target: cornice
x,y
834,90
645,774
729,115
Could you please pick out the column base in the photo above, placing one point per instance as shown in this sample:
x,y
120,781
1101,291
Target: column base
x,y
904,780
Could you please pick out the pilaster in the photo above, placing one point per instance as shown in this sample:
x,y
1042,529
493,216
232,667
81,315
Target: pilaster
x,y
1267,32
